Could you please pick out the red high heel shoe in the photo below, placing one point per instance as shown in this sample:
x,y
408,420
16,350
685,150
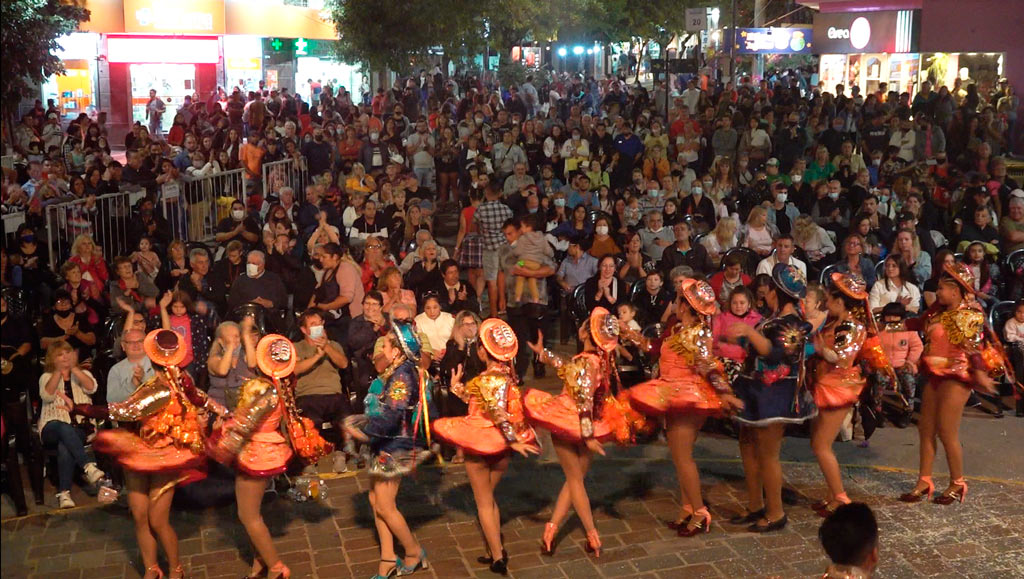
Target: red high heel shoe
x,y
155,569
702,521
280,571
830,507
917,495
952,495
681,523
594,543
547,546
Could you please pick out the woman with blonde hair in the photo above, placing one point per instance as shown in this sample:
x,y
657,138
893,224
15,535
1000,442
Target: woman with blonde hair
x,y
390,286
814,240
907,249
758,234
721,239
84,253
359,182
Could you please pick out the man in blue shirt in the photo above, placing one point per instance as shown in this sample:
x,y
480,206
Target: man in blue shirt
x,y
581,194
630,149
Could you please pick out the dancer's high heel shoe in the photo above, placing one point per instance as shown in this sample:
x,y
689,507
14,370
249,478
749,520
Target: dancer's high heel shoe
x,y
957,491
259,569
279,571
919,494
701,522
827,507
594,543
391,572
155,569
177,573
500,566
771,526
681,522
547,542
422,563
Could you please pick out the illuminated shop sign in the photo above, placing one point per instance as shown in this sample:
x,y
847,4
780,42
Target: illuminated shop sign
x,y
892,31
771,40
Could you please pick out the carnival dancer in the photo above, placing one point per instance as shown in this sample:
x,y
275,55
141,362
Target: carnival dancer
x,y
397,427
251,441
494,427
691,386
958,355
838,380
163,449
582,417
771,389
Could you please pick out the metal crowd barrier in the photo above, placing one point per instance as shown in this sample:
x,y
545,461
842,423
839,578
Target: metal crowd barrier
x,y
285,173
194,206
12,221
108,221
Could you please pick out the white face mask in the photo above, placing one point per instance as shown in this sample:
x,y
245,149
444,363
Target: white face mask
x,y
601,229
833,196
238,214
316,332
374,137
559,202
781,197
252,270
797,178
696,190
652,192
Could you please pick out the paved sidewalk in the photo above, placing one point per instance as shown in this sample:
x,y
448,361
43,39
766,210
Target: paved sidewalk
x,y
632,498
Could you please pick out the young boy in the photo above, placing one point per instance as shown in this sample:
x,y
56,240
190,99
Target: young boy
x,y
850,539
903,348
530,250
630,369
1013,332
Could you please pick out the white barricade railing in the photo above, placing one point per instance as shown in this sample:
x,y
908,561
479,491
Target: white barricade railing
x,y
108,221
285,173
12,221
193,206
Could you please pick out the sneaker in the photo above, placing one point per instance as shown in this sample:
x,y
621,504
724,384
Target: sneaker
x,y
64,500
340,462
93,474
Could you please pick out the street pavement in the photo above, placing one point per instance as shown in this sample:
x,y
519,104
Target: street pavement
x,y
633,492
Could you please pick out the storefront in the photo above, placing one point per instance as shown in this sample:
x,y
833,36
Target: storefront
x,y
866,49
243,62
74,91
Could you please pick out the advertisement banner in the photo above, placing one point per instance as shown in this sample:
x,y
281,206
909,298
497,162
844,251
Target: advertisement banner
x,y
892,31
771,40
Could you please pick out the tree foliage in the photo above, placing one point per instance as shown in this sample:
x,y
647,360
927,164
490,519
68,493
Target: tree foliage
x,y
28,41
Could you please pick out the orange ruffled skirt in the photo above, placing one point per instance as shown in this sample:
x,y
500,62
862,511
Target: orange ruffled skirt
x,y
838,388
265,454
474,434
136,455
558,415
685,394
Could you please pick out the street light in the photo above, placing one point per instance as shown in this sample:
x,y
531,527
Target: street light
x,y
562,52
577,50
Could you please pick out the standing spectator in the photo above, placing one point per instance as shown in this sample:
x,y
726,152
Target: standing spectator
x,y
63,385
420,147
319,154
155,108
318,391
525,317
489,218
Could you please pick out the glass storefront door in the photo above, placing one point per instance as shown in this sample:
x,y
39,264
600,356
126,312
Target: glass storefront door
x,y
173,82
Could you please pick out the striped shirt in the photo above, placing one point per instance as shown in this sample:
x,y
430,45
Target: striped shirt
x,y
489,217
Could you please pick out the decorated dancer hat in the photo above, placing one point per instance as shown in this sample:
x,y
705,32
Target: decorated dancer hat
x,y
164,347
790,280
604,328
700,295
850,284
498,339
275,356
408,339
961,274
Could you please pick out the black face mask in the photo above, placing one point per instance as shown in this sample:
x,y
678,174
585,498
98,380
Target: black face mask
x,y
62,313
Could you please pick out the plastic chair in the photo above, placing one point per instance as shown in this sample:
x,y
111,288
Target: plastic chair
x,y
880,270
578,305
826,274
749,259
999,315
17,307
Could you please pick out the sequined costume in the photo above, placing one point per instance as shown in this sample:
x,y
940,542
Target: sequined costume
x,y
957,343
168,437
770,386
691,378
838,380
252,440
495,419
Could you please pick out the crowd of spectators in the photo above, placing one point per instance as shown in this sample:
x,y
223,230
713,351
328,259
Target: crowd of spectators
x,y
568,194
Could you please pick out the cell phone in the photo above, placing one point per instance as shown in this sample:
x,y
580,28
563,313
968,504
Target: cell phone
x,y
931,162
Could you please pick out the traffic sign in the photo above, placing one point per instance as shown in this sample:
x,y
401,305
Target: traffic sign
x,y
696,19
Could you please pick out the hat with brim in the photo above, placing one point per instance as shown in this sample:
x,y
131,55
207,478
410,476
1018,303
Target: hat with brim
x,y
408,339
961,274
700,295
851,285
790,280
604,328
275,355
498,339
164,347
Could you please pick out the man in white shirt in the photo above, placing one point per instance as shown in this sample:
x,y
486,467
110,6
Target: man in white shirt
x,y
691,96
905,139
128,374
655,237
783,253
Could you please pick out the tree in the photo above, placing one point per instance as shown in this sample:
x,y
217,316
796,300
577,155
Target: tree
x,y
657,20
28,40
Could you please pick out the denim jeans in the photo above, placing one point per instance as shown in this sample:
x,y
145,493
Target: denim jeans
x,y
425,176
70,444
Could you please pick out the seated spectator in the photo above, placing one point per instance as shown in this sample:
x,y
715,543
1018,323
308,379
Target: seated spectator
x,y
986,273
720,239
854,261
903,349
980,229
89,258
376,260
652,301
368,225
908,250
730,278
632,268
128,374
362,335
815,241
1011,226
258,285
759,236
684,253
577,267
454,295
63,385
146,259
232,360
850,538
318,391
225,271
436,324
895,286
178,315
411,258
783,253
197,284
390,285
1013,335
425,274
604,289
86,296
238,226
603,244
655,237
739,310
63,324
175,267
133,287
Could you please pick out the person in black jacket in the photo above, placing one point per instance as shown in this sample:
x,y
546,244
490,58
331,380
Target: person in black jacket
x,y
454,294
685,253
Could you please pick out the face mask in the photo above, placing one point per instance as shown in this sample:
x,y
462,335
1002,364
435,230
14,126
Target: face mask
x,y
781,197
708,184
532,210
575,137
798,178
62,313
374,137
559,202
28,238
601,229
316,332
876,162
696,190
479,120
237,214
252,270
833,196
652,192
883,198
